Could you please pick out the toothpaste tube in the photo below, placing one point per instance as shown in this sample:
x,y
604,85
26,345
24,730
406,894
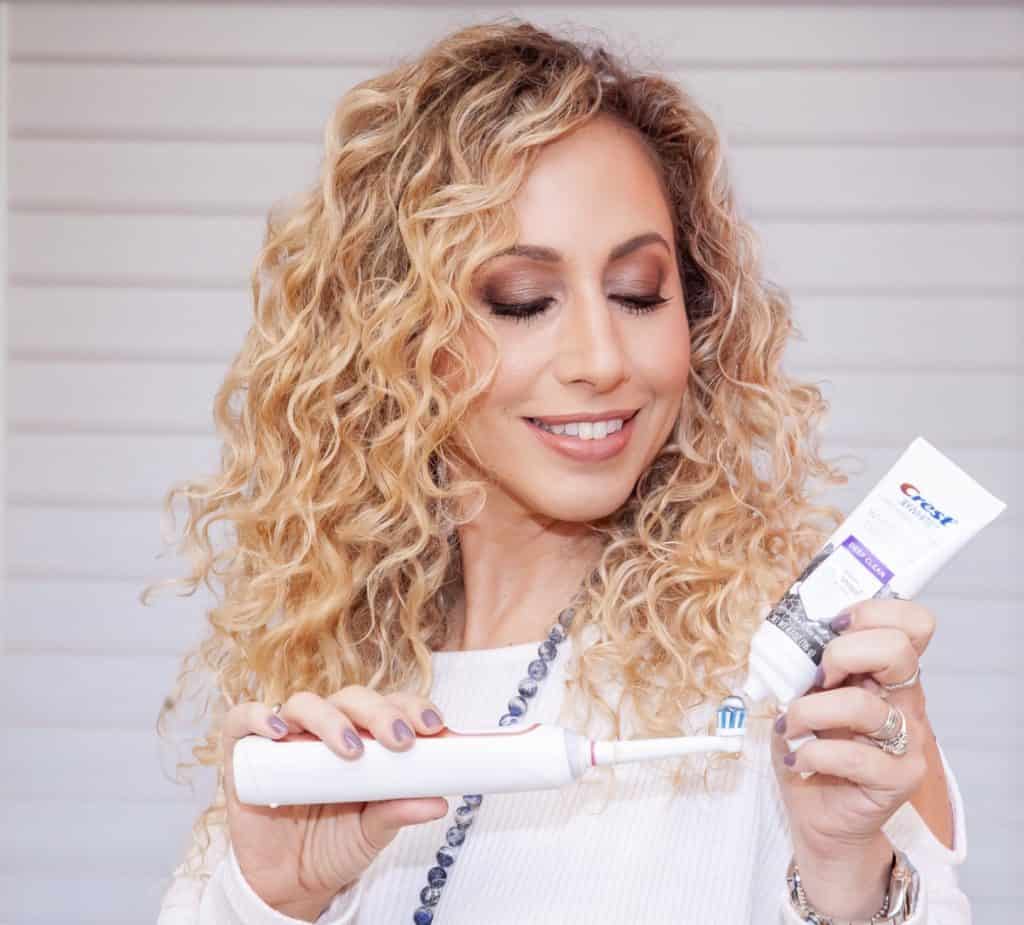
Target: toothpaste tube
x,y
918,516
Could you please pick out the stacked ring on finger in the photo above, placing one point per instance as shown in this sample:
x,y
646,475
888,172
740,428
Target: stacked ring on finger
x,y
910,682
276,708
891,736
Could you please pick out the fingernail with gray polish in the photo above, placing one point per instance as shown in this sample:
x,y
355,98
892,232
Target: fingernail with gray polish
x,y
780,724
789,760
402,730
353,741
819,677
278,726
840,622
431,718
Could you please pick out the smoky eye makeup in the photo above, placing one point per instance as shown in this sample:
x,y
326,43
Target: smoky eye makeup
x,y
525,296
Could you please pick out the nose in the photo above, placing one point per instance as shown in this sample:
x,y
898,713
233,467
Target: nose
x,y
590,345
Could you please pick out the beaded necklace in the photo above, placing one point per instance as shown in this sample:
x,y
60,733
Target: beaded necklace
x,y
536,672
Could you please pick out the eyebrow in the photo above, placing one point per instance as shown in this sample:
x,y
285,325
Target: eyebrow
x,y
550,255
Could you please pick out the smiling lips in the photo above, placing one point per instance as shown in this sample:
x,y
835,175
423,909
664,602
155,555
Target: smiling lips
x,y
586,438
621,414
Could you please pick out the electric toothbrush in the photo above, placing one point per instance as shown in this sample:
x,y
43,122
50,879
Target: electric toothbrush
x,y
494,760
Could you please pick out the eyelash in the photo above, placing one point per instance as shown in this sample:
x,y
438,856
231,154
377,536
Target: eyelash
x,y
527,311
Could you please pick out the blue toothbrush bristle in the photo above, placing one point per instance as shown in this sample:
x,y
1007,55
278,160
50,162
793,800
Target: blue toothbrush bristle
x,y
732,717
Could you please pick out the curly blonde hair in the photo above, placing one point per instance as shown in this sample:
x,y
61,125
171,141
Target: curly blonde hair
x,y
339,417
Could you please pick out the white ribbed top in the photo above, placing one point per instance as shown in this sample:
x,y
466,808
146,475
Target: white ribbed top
x,y
567,856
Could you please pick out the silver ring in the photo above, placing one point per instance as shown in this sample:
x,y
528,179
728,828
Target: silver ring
x,y
910,682
891,737
890,728
276,708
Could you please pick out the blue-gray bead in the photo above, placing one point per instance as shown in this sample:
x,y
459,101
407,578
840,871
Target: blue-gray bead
x,y
447,854
508,720
565,617
547,650
455,836
517,706
464,816
473,799
437,876
556,633
429,895
538,669
527,687
423,916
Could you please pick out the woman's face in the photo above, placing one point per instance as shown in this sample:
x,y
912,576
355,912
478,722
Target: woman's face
x,y
590,320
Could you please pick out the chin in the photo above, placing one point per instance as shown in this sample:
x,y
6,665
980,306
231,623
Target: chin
x,y
578,503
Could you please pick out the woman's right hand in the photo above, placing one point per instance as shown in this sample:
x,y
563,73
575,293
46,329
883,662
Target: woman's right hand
x,y
296,858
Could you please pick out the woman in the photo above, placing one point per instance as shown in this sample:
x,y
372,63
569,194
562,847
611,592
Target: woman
x,y
512,351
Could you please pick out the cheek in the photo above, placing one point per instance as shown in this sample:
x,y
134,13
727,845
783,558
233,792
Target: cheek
x,y
664,357
522,358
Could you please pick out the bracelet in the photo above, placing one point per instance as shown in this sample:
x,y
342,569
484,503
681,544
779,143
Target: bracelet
x,y
899,903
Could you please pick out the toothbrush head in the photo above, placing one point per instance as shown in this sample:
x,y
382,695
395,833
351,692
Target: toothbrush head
x,y
732,717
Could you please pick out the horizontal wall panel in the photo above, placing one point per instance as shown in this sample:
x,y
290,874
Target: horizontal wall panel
x,y
179,176
38,770
962,713
178,396
996,470
99,691
95,544
862,180
83,899
294,102
956,702
114,469
65,322
104,616
870,408
963,332
144,772
54,322
770,180
108,838
973,634
106,842
138,469
688,32
895,407
162,249
134,470
988,909
862,256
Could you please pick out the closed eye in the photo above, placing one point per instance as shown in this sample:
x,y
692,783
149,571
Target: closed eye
x,y
526,311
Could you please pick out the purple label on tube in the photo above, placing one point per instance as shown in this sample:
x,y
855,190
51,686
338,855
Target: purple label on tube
x,y
862,554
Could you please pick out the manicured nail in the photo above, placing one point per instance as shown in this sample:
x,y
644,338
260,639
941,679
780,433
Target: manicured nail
x,y
780,724
277,726
789,760
353,741
841,622
431,719
401,730
819,677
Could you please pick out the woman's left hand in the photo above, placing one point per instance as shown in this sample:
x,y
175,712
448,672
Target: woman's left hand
x,y
836,815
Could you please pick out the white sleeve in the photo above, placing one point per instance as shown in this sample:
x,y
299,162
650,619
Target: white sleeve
x,y
940,902
219,894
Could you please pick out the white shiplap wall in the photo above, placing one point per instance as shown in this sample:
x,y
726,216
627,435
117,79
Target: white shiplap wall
x,y
876,148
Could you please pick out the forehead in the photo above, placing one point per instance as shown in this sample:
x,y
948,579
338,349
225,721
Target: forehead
x,y
598,185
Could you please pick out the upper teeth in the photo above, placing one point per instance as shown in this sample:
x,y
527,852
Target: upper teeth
x,y
585,430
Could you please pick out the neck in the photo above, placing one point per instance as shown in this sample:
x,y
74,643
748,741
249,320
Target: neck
x,y
517,580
